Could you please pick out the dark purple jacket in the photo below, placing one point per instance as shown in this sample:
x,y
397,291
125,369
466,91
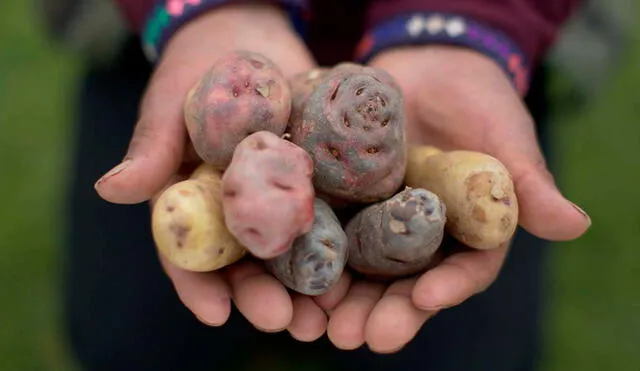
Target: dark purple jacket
x,y
336,27
533,24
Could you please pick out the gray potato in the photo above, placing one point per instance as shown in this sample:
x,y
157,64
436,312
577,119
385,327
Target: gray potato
x,y
397,237
316,259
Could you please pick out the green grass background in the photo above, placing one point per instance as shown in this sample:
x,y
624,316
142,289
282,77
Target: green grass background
x,y
592,323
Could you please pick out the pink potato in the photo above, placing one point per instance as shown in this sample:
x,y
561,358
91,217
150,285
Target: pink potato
x,y
242,93
268,196
303,84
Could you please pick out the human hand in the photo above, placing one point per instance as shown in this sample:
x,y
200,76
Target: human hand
x,y
455,99
161,154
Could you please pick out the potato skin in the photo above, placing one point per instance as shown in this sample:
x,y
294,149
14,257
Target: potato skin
x,y
397,237
416,154
268,194
242,93
317,259
352,124
482,207
348,68
188,224
302,85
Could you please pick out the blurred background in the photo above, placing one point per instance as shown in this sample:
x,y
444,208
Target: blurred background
x,y
592,321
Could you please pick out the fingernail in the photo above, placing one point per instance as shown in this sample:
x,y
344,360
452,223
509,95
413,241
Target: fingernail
x,y
386,351
434,308
209,323
116,170
584,214
270,331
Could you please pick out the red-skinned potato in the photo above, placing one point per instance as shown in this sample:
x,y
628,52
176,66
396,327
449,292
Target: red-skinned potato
x,y
302,85
268,194
242,93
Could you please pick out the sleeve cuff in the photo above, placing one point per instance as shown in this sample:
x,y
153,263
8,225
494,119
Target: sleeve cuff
x,y
167,16
421,28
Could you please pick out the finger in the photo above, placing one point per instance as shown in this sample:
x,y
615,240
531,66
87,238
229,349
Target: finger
x,y
261,298
206,295
330,300
172,180
544,211
348,319
395,320
462,113
457,278
309,320
157,145
189,165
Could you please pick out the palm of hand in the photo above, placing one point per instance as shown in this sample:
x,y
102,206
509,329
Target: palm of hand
x,y
356,311
454,99
460,100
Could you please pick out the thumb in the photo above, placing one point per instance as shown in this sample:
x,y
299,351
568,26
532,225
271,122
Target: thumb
x,y
544,210
156,148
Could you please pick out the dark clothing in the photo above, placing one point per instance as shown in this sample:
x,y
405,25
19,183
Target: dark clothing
x,y
123,314
532,24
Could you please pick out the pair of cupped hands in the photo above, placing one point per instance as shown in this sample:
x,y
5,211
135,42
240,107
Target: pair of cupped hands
x,y
454,99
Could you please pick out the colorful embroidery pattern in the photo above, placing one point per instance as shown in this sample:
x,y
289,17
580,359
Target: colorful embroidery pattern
x,y
176,7
423,28
169,15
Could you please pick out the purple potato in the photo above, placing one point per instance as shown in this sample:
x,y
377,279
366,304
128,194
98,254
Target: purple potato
x,y
397,237
352,124
316,259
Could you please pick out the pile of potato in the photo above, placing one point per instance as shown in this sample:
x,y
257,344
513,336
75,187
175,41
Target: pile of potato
x,y
313,175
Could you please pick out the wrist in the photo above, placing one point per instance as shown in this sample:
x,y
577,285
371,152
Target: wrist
x,y
434,28
450,61
260,28
198,44
234,18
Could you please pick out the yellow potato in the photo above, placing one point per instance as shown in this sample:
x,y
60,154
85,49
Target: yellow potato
x,y
419,153
188,224
478,191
